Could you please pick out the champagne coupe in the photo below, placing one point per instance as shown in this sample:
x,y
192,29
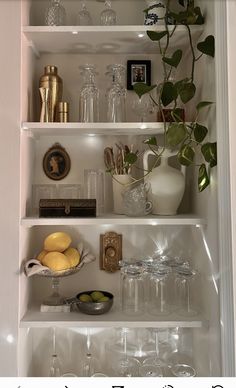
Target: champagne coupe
x,y
142,107
184,282
83,17
126,366
116,95
108,15
155,360
55,14
88,367
89,96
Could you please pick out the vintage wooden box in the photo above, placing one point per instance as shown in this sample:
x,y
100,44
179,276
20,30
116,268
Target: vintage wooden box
x,y
67,208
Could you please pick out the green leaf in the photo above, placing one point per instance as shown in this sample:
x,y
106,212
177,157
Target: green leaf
x,y
140,88
186,155
186,91
168,94
130,158
156,36
185,17
203,104
203,178
209,152
200,132
178,114
207,46
176,133
175,59
151,141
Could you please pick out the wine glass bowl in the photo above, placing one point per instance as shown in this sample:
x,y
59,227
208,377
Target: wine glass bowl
x,y
183,370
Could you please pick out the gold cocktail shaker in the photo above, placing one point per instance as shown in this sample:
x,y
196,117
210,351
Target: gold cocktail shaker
x,y
53,82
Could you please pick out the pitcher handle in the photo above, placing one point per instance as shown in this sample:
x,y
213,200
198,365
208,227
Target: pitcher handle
x,y
145,159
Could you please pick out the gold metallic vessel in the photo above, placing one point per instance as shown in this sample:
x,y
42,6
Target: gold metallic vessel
x,y
53,82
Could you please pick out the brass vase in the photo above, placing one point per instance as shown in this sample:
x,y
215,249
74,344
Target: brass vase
x,y
53,82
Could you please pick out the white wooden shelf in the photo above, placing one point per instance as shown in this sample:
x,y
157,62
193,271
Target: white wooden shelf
x,y
114,318
102,39
184,219
62,129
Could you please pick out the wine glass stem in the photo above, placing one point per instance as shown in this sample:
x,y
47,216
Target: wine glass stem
x,y
157,344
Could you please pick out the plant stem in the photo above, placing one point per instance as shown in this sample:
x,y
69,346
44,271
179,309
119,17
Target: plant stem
x,y
192,50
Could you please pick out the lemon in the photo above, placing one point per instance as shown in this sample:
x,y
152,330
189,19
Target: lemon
x,y
85,298
56,261
58,241
73,256
41,255
96,295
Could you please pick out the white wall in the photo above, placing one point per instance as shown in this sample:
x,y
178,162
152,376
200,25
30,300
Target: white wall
x,y
9,187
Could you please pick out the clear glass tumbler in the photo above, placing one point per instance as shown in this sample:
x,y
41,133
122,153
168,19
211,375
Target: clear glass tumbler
x,y
55,14
89,96
132,290
94,187
108,15
116,94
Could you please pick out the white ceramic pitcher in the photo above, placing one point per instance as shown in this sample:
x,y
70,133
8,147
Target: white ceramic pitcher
x,y
167,184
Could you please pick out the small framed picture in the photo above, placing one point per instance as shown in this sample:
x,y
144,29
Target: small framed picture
x,y
56,162
138,71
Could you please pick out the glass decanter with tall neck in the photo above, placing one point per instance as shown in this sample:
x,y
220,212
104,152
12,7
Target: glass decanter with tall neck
x,y
89,96
116,95
55,14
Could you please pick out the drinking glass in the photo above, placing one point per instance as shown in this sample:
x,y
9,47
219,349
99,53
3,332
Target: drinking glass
x,y
89,96
132,290
126,366
142,107
116,94
88,364
185,277
158,303
42,192
155,363
94,187
55,14
150,370
69,191
135,201
108,15
55,366
83,17
183,370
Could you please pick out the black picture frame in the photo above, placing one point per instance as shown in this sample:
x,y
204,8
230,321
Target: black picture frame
x,y
56,162
138,71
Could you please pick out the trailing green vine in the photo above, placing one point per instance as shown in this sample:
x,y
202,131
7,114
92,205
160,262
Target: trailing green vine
x,y
190,138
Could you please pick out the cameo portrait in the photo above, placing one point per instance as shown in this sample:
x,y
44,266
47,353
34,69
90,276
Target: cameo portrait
x,y
56,162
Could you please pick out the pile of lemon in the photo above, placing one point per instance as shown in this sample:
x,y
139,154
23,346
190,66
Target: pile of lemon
x,y
57,254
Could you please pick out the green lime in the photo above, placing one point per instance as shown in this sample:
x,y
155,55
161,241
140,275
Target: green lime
x,y
96,295
85,298
103,299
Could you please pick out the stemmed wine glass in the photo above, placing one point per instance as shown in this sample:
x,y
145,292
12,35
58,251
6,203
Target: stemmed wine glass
x,y
83,17
88,366
126,366
54,363
116,94
142,107
153,365
108,15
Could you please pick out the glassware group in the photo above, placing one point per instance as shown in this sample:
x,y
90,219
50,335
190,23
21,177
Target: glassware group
x,y
160,286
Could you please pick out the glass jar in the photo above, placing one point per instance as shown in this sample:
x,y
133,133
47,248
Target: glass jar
x,y
89,96
55,14
116,95
132,290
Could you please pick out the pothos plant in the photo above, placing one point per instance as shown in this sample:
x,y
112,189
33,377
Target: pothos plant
x,y
189,138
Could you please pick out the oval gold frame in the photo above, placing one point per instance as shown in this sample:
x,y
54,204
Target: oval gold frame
x,y
56,162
